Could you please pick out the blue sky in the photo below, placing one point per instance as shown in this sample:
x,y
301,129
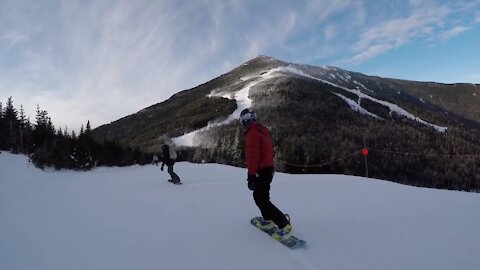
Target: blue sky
x,y
101,60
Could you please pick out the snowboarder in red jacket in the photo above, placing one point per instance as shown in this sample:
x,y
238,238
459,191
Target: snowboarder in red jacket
x,y
259,158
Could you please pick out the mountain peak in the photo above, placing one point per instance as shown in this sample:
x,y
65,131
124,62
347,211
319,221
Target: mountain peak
x,y
264,59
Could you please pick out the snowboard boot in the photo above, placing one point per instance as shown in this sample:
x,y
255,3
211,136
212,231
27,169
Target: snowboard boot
x,y
264,225
283,234
176,182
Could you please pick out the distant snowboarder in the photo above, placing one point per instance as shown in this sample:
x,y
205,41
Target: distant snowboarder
x,y
259,158
155,159
168,157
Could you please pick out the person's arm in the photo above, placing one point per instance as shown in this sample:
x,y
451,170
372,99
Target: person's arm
x,y
252,154
163,160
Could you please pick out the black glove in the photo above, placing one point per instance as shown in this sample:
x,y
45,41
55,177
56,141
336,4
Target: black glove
x,y
161,168
251,179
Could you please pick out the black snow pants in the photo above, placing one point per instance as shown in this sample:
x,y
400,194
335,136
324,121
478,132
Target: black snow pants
x,y
261,195
173,175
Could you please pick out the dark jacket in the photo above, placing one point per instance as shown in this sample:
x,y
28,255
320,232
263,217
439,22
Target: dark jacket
x,y
258,148
166,156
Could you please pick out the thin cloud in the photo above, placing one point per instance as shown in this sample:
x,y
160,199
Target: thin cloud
x,y
323,9
270,32
427,21
369,52
477,17
330,31
452,33
14,37
397,32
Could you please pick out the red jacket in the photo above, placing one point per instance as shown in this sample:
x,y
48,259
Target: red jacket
x,y
258,148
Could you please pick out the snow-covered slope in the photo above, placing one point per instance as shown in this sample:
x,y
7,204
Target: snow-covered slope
x,y
131,218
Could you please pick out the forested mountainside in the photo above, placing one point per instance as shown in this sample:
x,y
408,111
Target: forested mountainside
x,y
322,114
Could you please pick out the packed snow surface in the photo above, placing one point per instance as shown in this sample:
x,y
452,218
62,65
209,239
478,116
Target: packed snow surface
x,y
132,218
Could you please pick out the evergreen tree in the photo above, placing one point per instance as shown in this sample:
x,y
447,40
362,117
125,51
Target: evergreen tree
x,y
40,128
47,146
43,137
11,119
22,128
3,129
88,129
237,146
50,127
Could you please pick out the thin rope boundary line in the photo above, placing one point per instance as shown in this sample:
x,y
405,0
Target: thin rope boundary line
x,y
418,154
372,150
321,164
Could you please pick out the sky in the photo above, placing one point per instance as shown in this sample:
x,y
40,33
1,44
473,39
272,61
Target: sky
x,y
102,60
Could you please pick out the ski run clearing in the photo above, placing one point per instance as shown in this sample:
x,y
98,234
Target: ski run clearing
x,y
132,218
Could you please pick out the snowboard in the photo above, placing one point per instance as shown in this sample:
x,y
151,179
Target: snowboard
x,y
177,183
293,242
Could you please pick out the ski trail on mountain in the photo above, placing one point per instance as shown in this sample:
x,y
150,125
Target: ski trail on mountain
x,y
393,107
243,100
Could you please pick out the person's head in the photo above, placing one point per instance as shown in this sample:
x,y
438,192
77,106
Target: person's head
x,y
247,117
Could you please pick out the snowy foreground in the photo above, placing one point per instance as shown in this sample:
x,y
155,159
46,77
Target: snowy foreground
x,y
131,218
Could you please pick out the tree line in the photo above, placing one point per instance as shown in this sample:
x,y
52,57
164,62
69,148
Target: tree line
x,y
309,126
47,146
